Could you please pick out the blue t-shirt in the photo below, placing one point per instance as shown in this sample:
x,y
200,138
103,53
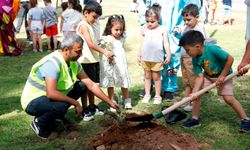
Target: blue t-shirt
x,y
35,14
50,16
211,62
48,69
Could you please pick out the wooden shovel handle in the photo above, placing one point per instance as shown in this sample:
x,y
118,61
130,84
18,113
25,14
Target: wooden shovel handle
x,y
202,91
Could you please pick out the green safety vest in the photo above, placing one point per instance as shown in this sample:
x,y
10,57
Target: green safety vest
x,y
35,87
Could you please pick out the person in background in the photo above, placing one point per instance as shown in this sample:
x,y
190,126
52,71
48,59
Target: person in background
x,y
22,16
114,70
91,55
36,23
8,45
227,12
54,84
51,21
190,15
152,56
71,17
211,65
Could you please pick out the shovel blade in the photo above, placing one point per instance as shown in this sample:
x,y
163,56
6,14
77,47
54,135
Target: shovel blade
x,y
141,118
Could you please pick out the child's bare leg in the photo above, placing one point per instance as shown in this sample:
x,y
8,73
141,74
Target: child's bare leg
x,y
157,81
111,93
196,104
125,93
148,76
34,42
48,42
188,91
235,104
55,42
40,42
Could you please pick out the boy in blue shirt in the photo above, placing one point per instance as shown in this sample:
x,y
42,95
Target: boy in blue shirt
x,y
211,64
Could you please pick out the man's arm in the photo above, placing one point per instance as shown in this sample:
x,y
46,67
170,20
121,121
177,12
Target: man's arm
x,y
83,30
53,93
94,88
245,60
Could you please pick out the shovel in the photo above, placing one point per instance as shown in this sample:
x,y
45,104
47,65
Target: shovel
x,y
158,115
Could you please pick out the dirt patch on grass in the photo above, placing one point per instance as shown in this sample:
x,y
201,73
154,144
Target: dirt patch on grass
x,y
140,135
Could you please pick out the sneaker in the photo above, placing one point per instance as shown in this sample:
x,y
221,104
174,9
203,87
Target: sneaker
x,y
40,132
142,93
157,100
191,123
127,103
95,110
87,116
146,99
168,96
245,125
188,108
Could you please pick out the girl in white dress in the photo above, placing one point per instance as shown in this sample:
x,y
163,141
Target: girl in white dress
x,y
114,70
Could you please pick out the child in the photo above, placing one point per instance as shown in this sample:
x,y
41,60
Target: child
x,y
190,15
213,7
91,53
211,64
70,18
115,74
36,18
151,54
50,24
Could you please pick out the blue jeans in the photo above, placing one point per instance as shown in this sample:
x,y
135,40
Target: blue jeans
x,y
47,110
22,15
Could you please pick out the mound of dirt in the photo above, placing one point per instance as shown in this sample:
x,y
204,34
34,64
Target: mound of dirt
x,y
141,136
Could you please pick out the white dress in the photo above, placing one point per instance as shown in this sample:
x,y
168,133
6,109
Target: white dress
x,y
116,74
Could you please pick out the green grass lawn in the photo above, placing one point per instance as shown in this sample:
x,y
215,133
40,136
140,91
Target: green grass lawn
x,y
220,124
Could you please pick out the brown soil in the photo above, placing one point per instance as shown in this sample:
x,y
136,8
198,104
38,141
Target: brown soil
x,y
140,136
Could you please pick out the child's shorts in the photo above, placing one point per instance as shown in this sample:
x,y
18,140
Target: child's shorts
x,y
227,10
52,30
154,66
36,27
93,71
225,90
213,5
187,71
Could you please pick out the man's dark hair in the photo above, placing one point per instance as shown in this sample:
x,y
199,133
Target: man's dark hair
x,y
192,37
191,10
93,6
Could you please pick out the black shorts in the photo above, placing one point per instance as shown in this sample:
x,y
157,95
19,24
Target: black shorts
x,y
93,71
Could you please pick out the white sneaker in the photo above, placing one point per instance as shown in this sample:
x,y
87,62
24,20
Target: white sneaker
x,y
87,116
157,100
98,112
127,103
188,108
146,98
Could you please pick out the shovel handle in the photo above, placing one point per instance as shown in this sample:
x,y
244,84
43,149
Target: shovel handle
x,y
202,91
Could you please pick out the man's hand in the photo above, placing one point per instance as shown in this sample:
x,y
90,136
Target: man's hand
x,y
240,68
78,109
114,105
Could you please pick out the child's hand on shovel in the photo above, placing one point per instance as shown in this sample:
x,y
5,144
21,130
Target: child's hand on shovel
x,y
194,97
